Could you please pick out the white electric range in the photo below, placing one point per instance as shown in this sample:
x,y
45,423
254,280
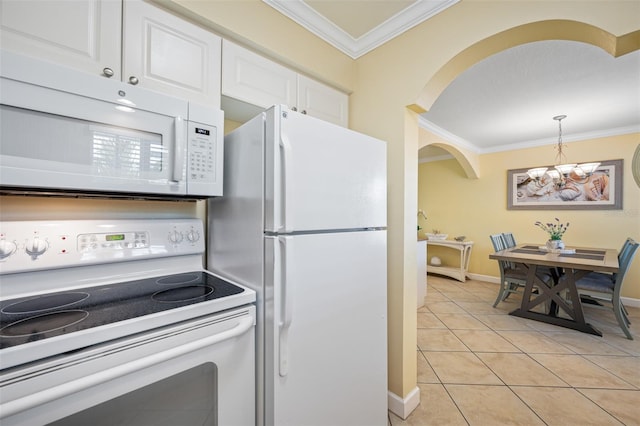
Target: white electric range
x,y
120,317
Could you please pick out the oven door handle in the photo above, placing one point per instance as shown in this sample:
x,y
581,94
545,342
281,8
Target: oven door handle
x,y
67,389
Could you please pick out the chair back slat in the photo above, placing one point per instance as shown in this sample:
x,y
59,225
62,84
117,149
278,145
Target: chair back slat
x,y
498,245
498,242
625,259
509,239
625,247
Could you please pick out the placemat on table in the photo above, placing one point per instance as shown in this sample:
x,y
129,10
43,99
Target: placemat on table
x,y
528,250
584,256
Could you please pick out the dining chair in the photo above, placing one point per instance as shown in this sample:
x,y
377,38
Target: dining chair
x,y
509,239
600,286
512,276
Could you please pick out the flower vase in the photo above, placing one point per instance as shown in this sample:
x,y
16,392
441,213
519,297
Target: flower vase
x,y
555,244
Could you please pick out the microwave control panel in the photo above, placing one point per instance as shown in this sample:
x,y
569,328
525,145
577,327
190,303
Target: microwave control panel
x,y
203,159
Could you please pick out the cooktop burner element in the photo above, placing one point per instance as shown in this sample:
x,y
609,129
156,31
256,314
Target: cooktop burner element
x,y
45,303
32,318
34,326
178,279
181,294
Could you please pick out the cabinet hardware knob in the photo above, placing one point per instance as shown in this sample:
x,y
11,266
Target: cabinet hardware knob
x,y
133,80
304,111
294,109
107,72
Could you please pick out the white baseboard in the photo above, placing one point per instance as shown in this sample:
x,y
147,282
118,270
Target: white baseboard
x,y
628,301
485,278
403,407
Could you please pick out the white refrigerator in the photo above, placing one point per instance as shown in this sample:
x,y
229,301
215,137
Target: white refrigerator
x,y
303,223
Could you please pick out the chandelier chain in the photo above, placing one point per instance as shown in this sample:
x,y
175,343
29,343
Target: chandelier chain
x,y
560,157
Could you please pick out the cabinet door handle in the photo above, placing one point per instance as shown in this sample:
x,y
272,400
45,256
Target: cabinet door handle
x,y
107,72
133,80
294,109
304,111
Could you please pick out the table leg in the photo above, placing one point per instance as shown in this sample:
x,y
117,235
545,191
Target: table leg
x,y
551,292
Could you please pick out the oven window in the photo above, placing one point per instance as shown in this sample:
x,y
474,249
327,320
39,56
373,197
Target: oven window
x,y
187,398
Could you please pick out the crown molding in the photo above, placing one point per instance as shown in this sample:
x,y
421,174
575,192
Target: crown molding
x,y
306,16
446,135
463,143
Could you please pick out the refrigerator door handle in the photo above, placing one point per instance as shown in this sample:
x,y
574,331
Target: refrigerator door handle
x,y
286,187
286,304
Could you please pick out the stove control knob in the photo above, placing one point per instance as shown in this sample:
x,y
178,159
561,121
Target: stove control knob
x,y
193,236
7,248
36,247
175,237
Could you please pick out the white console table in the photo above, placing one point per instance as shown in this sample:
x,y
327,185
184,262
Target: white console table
x,y
457,272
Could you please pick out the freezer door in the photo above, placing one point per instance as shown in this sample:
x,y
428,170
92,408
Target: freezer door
x,y
320,176
326,340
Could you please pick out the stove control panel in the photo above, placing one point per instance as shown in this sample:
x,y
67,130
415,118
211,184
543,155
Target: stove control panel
x,y
35,245
113,241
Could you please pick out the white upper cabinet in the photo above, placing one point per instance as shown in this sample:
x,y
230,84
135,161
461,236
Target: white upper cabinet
x,y
323,102
256,80
82,34
128,40
165,53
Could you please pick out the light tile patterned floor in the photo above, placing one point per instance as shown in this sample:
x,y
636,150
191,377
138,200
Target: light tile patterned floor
x,y
477,365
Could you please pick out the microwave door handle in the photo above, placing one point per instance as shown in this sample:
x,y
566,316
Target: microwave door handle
x,y
178,149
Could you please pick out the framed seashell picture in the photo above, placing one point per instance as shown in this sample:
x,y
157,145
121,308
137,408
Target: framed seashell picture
x,y
600,190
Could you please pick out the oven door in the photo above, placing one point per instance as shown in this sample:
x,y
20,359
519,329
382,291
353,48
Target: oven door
x,y
96,138
198,372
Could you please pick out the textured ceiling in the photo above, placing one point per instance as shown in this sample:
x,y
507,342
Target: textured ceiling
x,y
509,99
506,101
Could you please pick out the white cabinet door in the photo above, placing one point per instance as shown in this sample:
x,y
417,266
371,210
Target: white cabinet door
x,y
165,53
323,102
251,78
81,34
256,80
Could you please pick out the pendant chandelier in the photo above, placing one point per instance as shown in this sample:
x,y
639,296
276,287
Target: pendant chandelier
x,y
562,169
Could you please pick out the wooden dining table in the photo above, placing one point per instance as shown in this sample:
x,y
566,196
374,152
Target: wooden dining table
x,y
557,290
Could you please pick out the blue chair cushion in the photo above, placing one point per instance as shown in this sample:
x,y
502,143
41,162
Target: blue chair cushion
x,y
597,281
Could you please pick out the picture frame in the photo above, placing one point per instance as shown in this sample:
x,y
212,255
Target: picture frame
x,y
602,190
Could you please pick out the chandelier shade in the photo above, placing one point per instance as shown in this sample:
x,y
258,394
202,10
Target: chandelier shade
x,y
588,168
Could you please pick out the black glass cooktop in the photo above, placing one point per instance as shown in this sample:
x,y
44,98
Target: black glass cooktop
x,y
40,317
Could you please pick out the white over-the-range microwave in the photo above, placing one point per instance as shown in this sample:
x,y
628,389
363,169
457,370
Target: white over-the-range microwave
x,y
67,132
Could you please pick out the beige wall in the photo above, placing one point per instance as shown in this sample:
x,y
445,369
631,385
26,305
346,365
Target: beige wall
x,y
477,208
392,77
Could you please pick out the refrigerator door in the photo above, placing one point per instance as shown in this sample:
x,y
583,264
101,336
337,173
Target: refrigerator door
x,y
320,176
326,340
